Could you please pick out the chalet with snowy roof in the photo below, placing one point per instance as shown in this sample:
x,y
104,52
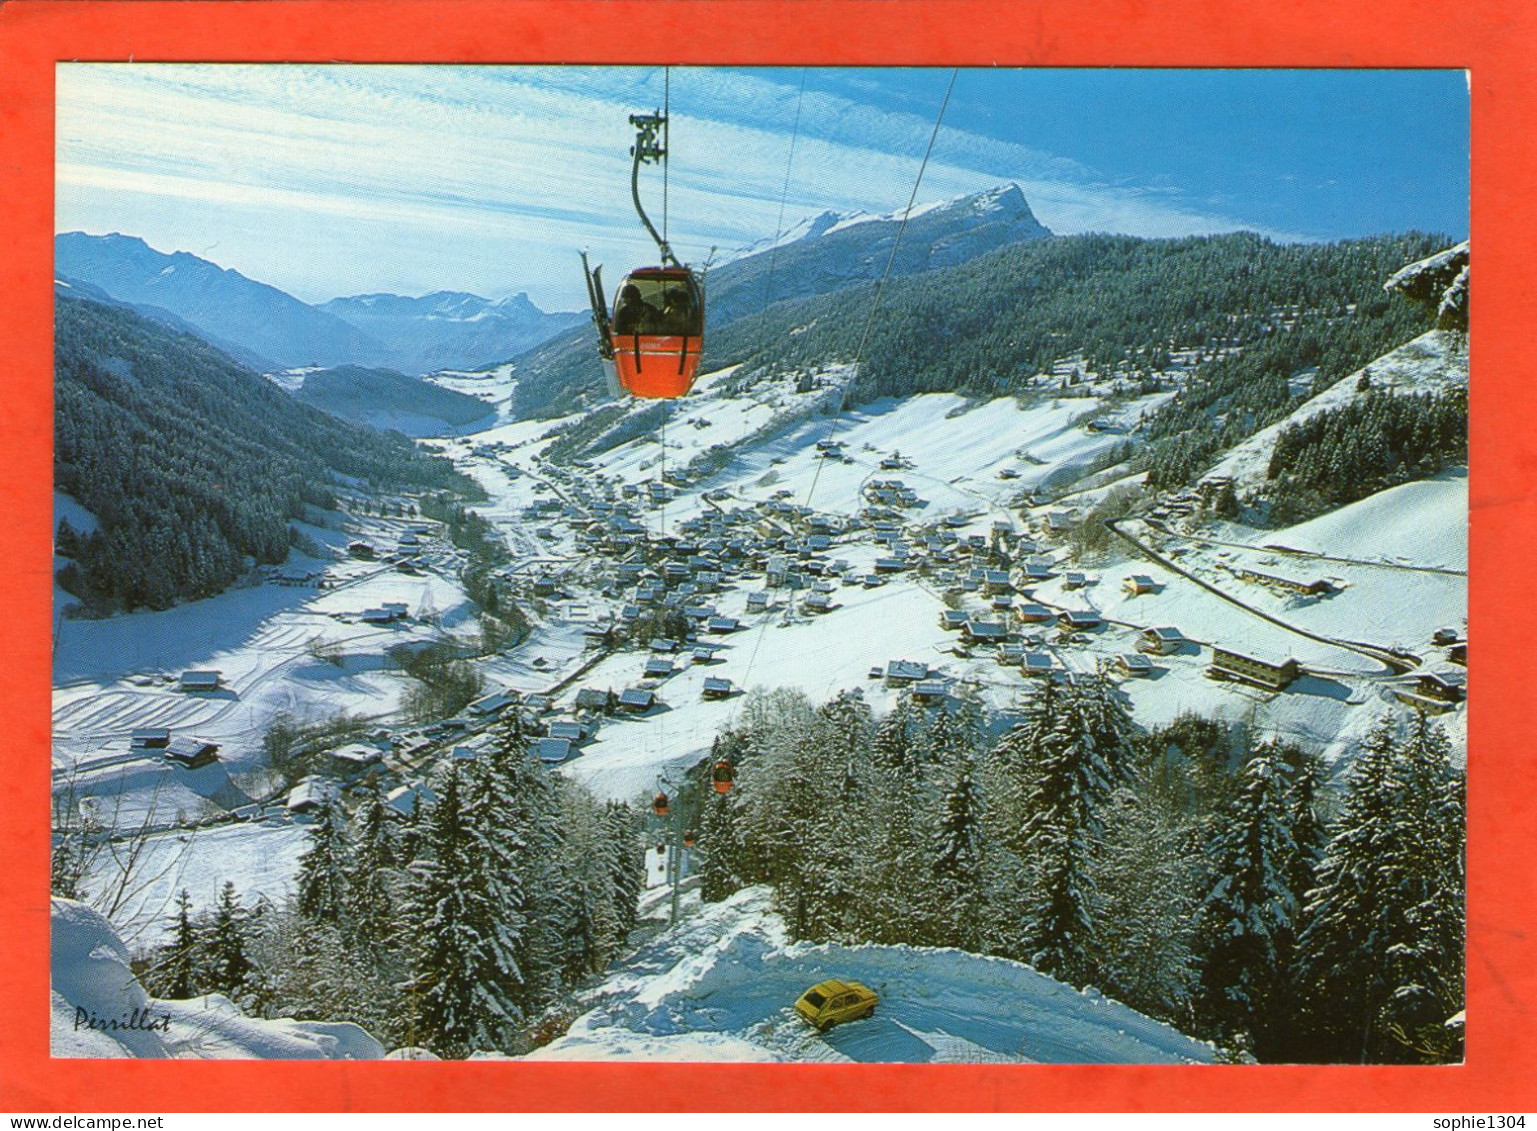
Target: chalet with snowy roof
x,y
1032,613
658,667
309,795
191,752
1133,664
995,581
722,624
984,632
890,565
1009,654
1079,620
757,602
1436,691
1316,587
1160,641
490,706
1038,664
378,615
594,699
715,688
636,700
1274,673
536,704
662,644
930,692
1139,583
899,673
464,754
1038,569
816,604
356,756
203,680
569,729
1458,653
953,620
149,738
1074,579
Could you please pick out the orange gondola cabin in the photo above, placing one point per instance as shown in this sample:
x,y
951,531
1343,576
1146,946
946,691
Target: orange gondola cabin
x,y
652,339
657,331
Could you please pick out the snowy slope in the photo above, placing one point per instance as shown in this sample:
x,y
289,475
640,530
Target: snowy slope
x,y
720,986
100,1010
1423,523
1435,360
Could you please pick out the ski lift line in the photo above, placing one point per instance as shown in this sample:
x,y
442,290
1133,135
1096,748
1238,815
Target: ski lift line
x,y
880,286
666,140
864,337
779,224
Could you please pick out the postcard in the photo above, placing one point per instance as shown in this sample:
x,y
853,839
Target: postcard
x,y
617,561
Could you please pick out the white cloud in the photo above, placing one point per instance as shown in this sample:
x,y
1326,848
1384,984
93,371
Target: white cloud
x,y
489,178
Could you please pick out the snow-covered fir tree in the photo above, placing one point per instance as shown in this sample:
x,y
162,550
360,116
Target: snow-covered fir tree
x,y
229,969
372,876
1063,763
322,881
177,972
1247,919
466,981
959,878
1381,952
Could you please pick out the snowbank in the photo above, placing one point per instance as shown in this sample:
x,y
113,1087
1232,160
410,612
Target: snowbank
x,y
721,986
100,1010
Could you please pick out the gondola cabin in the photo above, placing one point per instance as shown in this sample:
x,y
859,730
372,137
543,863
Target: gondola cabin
x,y
722,776
657,331
659,805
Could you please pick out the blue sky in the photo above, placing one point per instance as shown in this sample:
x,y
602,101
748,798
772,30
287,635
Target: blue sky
x,y
342,179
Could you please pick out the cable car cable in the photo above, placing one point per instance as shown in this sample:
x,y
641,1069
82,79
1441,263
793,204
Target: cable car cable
x,y
859,354
666,140
880,286
779,225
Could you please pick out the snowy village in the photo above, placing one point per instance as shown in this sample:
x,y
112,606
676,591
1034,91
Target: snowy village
x,y
949,631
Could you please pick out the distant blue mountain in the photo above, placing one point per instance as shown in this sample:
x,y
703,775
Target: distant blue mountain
x,y
220,303
450,329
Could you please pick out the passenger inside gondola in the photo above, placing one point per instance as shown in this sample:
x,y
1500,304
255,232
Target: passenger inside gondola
x,y
633,314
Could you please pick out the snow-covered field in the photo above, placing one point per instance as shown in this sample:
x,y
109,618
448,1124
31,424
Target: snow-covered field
x,y
721,986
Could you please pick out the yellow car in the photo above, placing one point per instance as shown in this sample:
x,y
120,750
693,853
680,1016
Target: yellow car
x,y
827,1003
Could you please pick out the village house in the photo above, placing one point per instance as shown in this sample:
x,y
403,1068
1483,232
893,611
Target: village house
x,y
205,680
1273,673
1037,664
149,738
900,673
191,752
636,700
1133,664
1162,641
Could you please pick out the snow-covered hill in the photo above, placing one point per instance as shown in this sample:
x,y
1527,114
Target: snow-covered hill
x,y
721,986
1436,360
